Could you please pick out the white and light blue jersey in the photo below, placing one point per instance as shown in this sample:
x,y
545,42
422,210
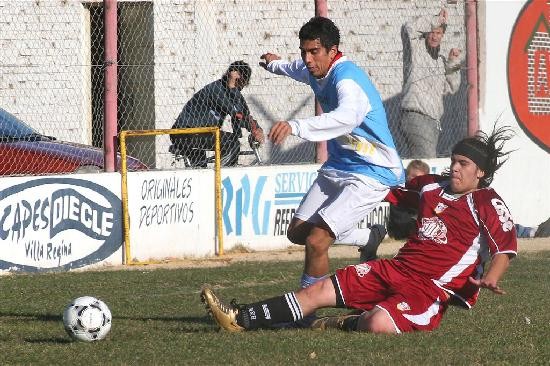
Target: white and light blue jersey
x,y
353,122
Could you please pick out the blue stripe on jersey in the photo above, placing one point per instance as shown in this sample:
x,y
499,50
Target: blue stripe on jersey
x,y
379,159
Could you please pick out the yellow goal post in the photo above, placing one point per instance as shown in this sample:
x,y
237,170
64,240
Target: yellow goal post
x,y
124,180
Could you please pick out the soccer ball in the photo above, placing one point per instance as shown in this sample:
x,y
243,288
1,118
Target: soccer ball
x,y
87,319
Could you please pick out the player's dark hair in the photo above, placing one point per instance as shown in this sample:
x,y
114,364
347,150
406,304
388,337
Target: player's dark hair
x,y
323,29
487,151
242,67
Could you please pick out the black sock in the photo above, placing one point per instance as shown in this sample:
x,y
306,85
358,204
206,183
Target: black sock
x,y
264,314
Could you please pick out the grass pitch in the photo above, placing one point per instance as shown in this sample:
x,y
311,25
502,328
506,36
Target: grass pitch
x,y
158,319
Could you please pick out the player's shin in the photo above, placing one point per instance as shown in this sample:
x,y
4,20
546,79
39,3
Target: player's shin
x,y
266,313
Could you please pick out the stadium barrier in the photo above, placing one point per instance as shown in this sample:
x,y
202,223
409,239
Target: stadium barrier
x,y
60,223
124,179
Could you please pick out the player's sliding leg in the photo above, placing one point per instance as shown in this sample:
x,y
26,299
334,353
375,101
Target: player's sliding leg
x,y
290,307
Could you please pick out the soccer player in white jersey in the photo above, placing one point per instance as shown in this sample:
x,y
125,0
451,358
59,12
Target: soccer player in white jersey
x,y
462,222
362,164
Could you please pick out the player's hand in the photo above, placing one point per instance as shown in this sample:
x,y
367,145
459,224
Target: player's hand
x,y
268,57
488,284
454,53
279,132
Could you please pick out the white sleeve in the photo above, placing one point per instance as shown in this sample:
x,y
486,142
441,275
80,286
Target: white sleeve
x,y
296,70
353,106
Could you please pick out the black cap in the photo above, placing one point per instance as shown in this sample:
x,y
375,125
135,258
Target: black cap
x,y
243,68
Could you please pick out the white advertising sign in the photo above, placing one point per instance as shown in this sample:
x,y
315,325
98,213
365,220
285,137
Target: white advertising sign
x,y
60,222
172,214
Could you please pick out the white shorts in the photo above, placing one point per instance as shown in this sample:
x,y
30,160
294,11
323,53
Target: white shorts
x,y
341,200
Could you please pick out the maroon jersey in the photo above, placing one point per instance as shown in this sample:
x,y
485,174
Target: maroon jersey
x,y
455,234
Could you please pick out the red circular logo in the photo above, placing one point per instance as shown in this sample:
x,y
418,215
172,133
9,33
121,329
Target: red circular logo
x,y
529,71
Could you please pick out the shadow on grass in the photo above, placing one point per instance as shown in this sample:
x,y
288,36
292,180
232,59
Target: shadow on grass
x,y
187,324
58,340
33,317
194,319
56,317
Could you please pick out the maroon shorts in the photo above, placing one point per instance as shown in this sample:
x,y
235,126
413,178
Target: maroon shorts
x,y
412,302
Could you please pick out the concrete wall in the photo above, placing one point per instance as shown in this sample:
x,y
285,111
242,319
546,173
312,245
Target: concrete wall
x,y
43,65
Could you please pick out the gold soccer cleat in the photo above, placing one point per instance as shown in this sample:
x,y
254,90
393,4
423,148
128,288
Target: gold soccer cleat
x,y
224,315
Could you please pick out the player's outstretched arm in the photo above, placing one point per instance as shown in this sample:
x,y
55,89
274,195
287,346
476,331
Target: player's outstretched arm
x,y
499,265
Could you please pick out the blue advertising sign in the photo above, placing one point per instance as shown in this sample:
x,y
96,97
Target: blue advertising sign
x,y
252,204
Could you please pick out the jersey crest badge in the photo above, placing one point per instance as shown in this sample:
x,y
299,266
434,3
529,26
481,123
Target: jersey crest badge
x,y
433,229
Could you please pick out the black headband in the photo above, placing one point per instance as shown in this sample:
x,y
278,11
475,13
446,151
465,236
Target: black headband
x,y
472,151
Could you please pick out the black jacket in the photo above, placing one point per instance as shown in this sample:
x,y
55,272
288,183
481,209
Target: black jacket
x,y
209,107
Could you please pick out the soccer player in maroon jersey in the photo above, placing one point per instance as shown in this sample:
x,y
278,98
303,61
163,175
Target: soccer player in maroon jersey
x,y
462,222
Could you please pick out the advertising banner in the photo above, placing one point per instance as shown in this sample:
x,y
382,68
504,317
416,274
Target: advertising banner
x,y
67,222
259,202
59,223
172,214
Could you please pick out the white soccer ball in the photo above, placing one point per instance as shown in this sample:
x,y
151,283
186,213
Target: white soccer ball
x,y
87,319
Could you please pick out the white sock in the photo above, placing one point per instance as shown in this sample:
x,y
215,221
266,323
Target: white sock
x,y
357,237
308,280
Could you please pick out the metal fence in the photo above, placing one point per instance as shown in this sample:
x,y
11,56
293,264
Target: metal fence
x,y
53,64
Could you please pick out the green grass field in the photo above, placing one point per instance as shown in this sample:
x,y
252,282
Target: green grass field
x,y
158,319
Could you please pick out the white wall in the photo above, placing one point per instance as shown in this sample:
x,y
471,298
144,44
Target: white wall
x,y
45,65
